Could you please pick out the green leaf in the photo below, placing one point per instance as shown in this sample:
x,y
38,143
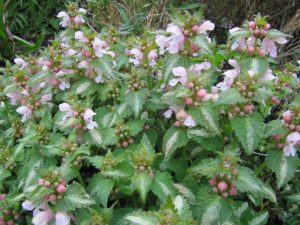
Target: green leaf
x,y
294,198
284,167
162,185
249,131
274,127
136,100
96,136
207,167
207,117
142,183
105,65
230,97
77,196
203,43
173,139
259,219
100,188
141,218
247,182
213,208
258,65
83,87
135,126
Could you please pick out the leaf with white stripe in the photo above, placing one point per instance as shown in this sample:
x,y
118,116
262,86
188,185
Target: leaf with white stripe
x,y
141,218
283,166
162,185
173,139
142,183
249,131
259,219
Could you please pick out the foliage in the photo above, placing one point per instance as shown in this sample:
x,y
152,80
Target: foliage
x,y
166,128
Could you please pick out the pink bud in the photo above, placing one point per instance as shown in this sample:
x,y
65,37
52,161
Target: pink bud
x,y
257,33
292,127
2,196
75,113
79,126
52,198
215,189
261,52
48,64
222,186
190,85
236,109
177,124
188,101
274,99
287,116
276,137
47,184
247,109
279,145
10,222
195,29
201,93
41,182
250,49
212,181
298,128
61,188
233,191
131,140
225,194
124,144
252,25
267,26
194,47
135,85
54,82
181,114
186,33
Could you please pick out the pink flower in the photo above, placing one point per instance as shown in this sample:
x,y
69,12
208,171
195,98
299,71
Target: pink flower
x,y
78,19
65,18
173,43
62,218
230,75
70,52
206,26
25,111
100,47
137,56
181,73
64,84
20,62
287,116
268,45
152,56
65,107
181,115
88,118
28,205
197,69
46,98
268,75
80,36
291,140
84,64
14,97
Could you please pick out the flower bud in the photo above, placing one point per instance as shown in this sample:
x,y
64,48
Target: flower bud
x,y
61,188
252,25
47,184
236,109
194,47
212,181
250,49
276,137
52,198
257,33
222,186
186,33
2,196
225,194
292,127
235,171
195,29
233,191
201,93
124,144
215,189
181,114
48,64
177,124
298,128
247,109
10,222
75,113
267,26
188,101
190,85
287,117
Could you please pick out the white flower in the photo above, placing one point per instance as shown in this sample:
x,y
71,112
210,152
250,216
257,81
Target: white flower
x,y
20,62
80,36
230,75
64,84
206,26
100,47
189,121
152,56
28,205
268,45
62,218
78,20
137,56
88,118
291,140
65,107
25,111
46,98
65,18
181,73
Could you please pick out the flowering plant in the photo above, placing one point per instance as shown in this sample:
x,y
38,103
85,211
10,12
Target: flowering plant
x,y
168,128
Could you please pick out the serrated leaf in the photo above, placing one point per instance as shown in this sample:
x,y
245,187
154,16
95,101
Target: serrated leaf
x,y
294,198
142,183
173,139
207,167
77,196
141,218
162,185
214,209
105,65
249,131
135,126
110,119
284,167
136,100
186,192
100,188
207,117
259,219
230,97
83,87
96,136
247,182
203,43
